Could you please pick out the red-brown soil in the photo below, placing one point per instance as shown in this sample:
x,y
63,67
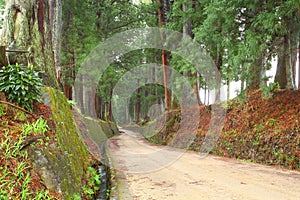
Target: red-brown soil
x,y
10,127
256,129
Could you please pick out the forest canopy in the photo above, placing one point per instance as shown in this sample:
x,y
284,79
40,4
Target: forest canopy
x,y
245,39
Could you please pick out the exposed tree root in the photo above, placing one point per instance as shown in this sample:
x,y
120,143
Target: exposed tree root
x,y
17,107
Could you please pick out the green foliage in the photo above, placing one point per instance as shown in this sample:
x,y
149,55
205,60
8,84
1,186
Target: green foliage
x,y
107,193
2,6
268,91
21,85
76,197
237,33
71,103
38,127
93,182
18,176
272,122
237,102
2,110
20,115
242,37
87,24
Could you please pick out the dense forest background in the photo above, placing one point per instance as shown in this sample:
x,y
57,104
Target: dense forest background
x,y
254,46
244,38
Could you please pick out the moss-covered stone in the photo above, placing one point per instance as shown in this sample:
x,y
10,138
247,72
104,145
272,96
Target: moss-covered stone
x,y
63,165
73,159
95,133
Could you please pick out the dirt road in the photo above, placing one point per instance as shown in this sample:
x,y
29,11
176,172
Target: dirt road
x,y
152,172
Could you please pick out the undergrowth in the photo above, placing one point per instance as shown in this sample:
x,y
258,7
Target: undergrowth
x,y
261,126
21,85
16,174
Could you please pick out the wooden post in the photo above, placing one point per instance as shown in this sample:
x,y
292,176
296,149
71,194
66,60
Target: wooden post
x,y
3,59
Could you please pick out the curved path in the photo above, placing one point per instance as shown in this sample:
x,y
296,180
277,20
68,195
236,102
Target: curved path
x,y
145,171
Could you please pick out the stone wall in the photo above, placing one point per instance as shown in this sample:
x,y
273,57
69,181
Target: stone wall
x,y
63,164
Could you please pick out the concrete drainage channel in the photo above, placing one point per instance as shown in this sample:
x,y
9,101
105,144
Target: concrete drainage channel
x,y
108,187
104,186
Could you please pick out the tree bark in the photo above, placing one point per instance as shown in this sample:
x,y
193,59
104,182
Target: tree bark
x,y
293,44
228,90
162,9
55,16
284,66
287,56
205,92
187,32
32,25
254,78
280,76
138,102
298,61
98,105
110,116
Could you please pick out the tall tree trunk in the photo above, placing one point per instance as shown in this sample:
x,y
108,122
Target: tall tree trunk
x,y
281,76
166,73
289,67
98,108
299,61
243,80
110,116
162,18
286,67
79,93
68,91
208,96
263,73
205,92
293,45
196,87
254,78
32,25
146,101
138,102
69,76
228,90
219,63
242,85
55,16
187,32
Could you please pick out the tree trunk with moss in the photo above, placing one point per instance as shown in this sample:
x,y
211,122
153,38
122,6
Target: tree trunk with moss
x,y
34,26
254,77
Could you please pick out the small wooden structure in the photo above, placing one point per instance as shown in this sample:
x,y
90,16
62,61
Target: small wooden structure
x,y
4,61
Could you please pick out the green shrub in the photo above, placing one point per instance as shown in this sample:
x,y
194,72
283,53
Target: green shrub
x,y
268,91
92,184
21,85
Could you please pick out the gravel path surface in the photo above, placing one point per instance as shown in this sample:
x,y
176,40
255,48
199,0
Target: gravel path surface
x,y
146,172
